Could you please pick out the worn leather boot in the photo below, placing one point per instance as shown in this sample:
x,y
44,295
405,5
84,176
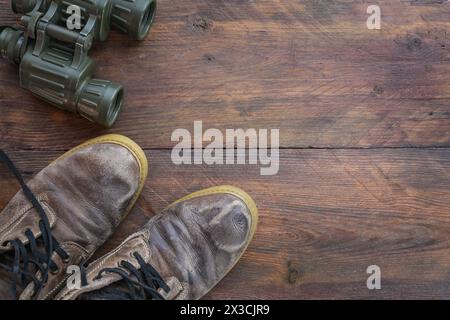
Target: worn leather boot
x,y
65,213
181,253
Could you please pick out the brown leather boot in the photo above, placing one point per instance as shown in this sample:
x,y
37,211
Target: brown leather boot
x,y
181,253
65,213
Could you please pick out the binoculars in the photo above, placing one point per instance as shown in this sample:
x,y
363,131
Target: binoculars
x,y
51,49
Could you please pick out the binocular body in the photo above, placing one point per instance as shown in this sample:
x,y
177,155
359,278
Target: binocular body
x,y
53,59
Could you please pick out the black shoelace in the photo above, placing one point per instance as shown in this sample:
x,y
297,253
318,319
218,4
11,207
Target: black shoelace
x,y
28,258
136,284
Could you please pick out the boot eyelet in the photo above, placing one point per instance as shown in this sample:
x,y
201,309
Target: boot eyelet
x,y
56,271
66,260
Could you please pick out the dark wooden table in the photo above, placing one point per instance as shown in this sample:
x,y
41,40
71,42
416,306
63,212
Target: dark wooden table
x,y
364,119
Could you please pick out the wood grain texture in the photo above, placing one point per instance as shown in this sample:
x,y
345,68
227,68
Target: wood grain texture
x,y
325,218
376,103
310,68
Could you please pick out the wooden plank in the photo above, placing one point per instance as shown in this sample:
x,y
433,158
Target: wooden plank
x,y
310,68
325,218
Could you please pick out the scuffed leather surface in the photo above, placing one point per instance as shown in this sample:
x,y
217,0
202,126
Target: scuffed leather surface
x,y
192,244
88,193
199,240
25,217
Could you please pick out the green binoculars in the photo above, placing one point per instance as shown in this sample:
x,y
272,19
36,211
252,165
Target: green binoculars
x,y
51,48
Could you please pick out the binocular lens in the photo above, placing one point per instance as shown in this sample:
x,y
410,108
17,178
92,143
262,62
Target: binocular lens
x,y
133,18
146,20
11,44
100,101
115,108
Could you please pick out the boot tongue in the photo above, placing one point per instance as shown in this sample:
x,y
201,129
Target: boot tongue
x,y
109,290
175,288
112,286
137,243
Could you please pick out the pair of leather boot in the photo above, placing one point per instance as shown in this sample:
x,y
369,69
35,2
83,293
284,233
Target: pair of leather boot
x,y
61,217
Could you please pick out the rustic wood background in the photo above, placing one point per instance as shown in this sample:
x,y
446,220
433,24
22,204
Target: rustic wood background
x,y
364,119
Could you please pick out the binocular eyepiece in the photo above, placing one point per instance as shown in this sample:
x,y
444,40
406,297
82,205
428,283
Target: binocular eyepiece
x,y
53,59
